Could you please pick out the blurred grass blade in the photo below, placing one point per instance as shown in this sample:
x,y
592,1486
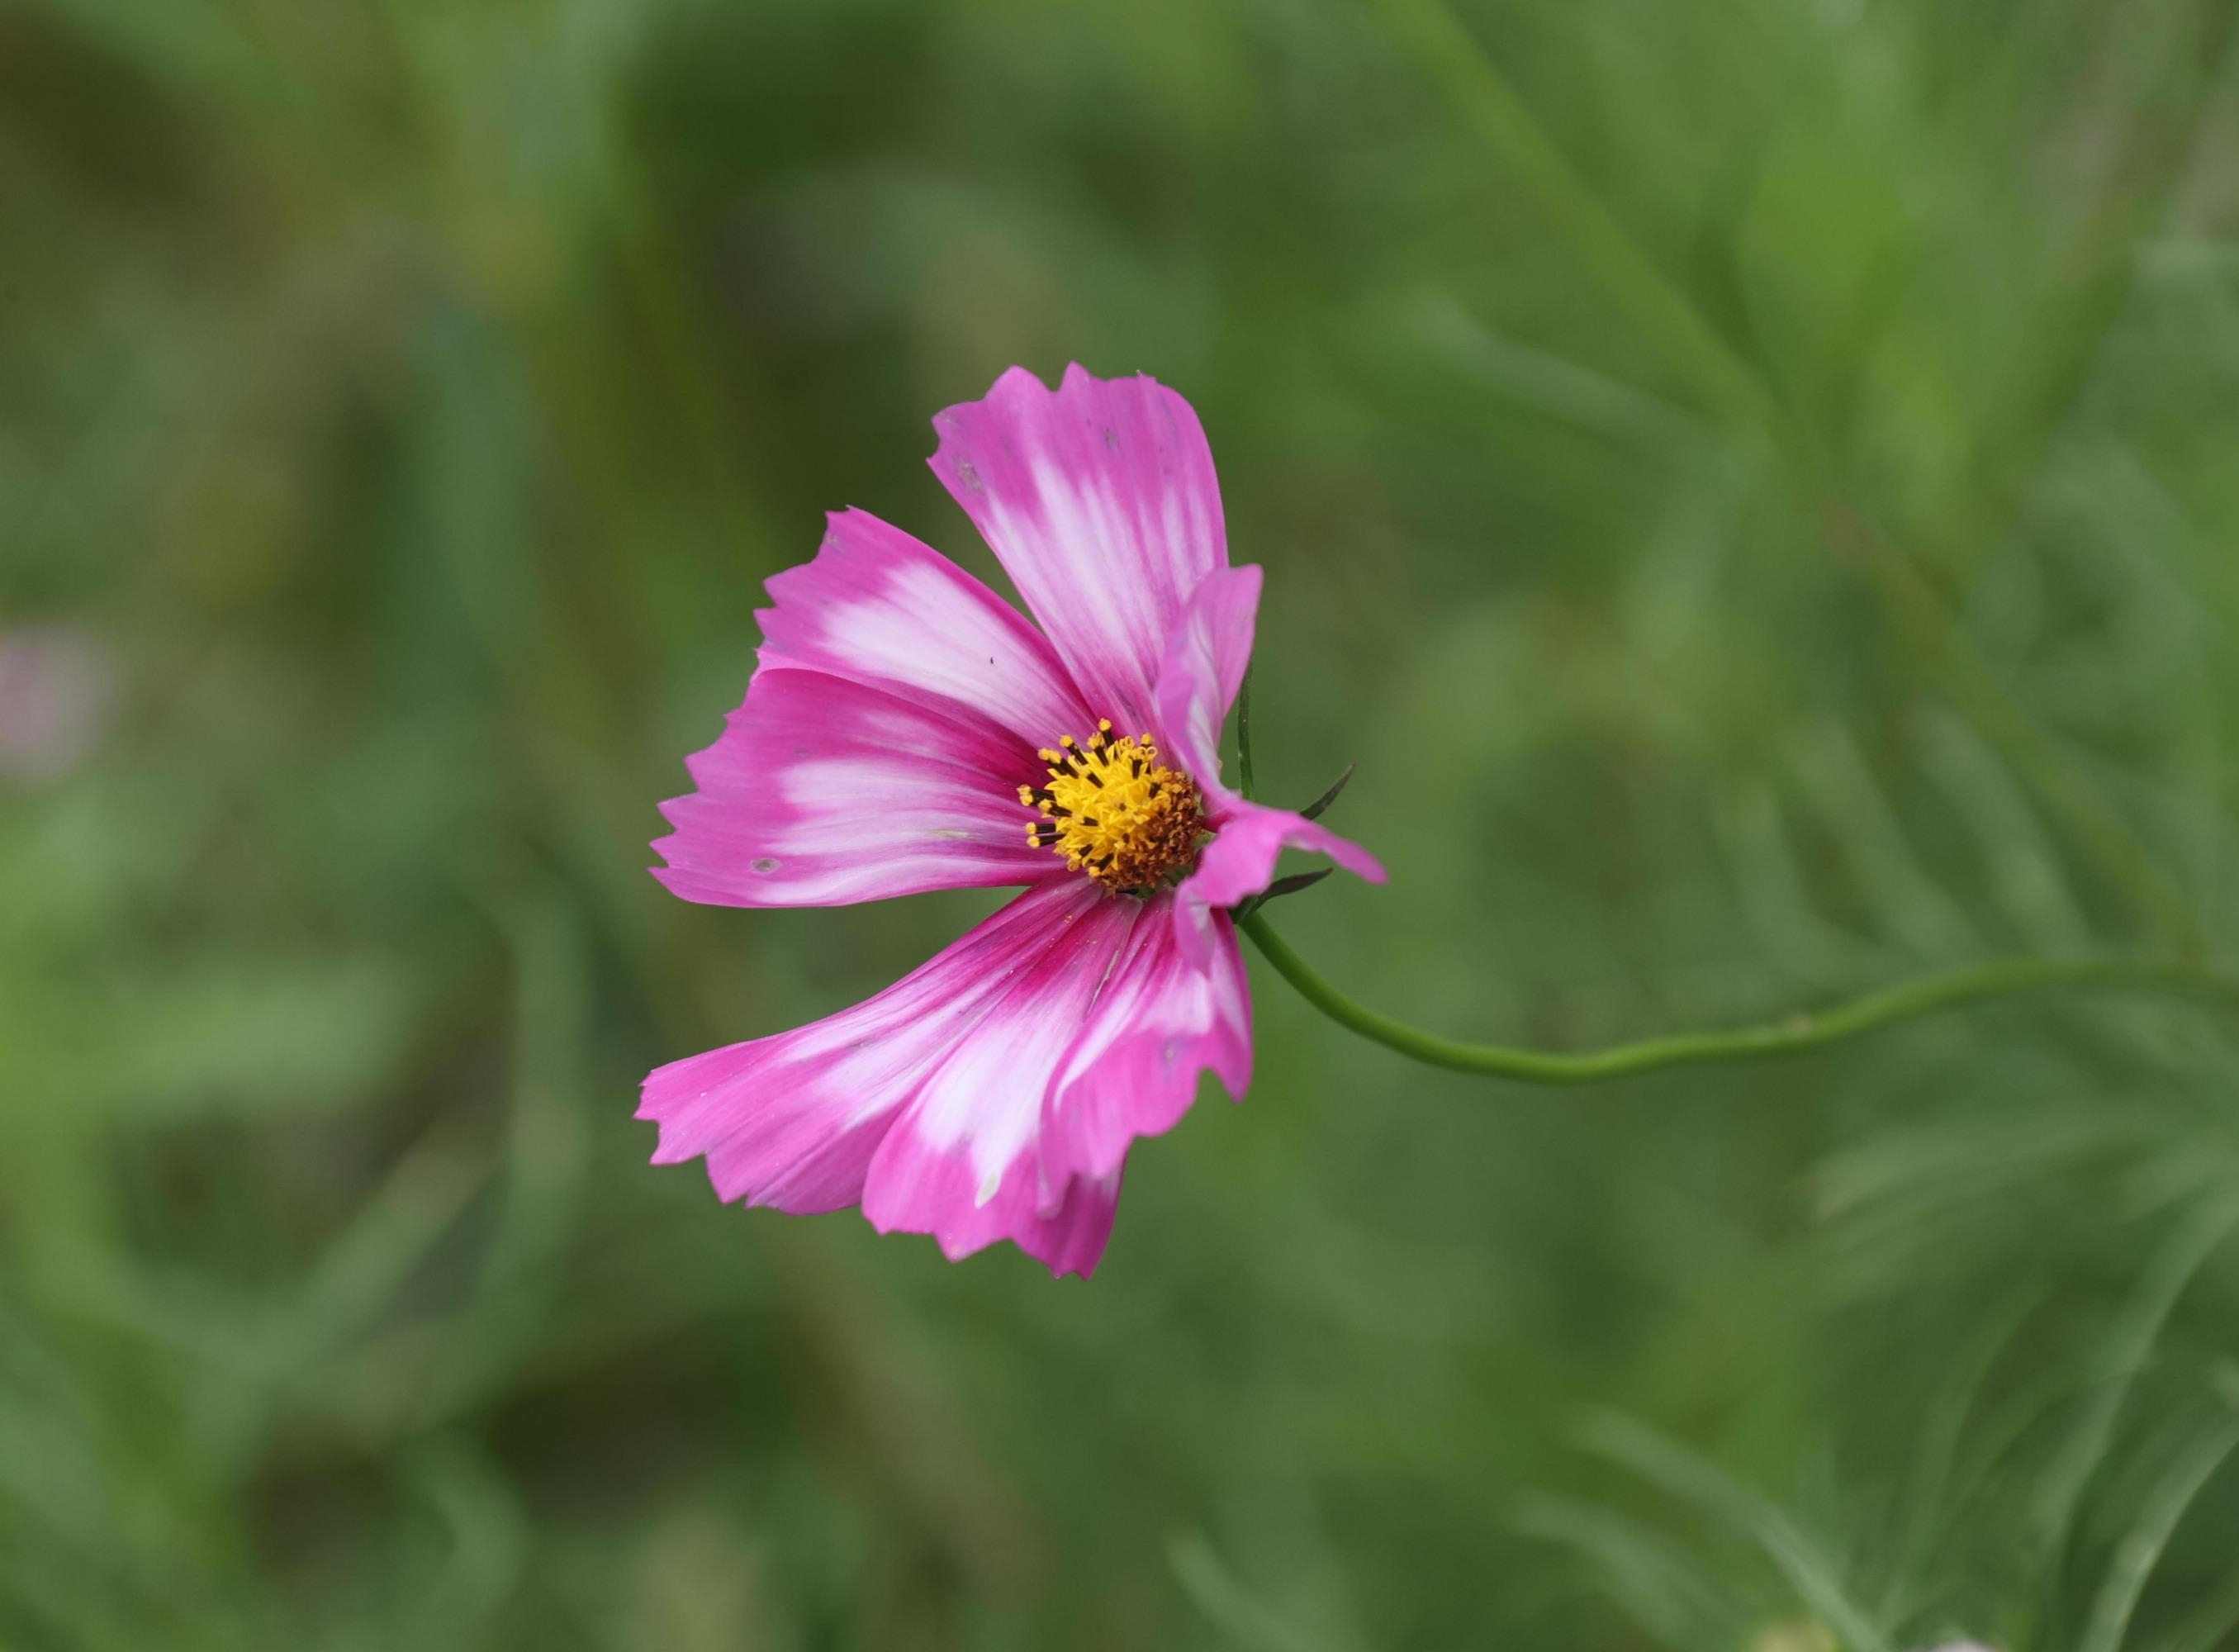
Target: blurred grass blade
x,y
1690,1478
2213,1625
1243,1617
1593,233
2130,1347
2140,1547
1660,1585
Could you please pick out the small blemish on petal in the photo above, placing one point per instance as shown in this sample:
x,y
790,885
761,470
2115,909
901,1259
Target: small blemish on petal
x,y
990,1185
969,477
765,864
1111,438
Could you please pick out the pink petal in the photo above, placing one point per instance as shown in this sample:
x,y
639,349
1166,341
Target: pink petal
x,y
1202,669
762,1111
1099,499
1161,1020
1198,682
1240,862
922,1104
962,1161
823,791
991,1094
879,607
918,1184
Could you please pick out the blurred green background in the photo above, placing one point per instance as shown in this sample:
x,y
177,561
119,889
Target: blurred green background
x,y
1754,483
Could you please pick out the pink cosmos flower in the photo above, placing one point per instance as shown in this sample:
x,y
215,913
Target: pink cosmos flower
x,y
908,729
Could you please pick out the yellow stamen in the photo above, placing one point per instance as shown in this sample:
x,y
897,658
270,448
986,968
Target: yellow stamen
x,y
1113,811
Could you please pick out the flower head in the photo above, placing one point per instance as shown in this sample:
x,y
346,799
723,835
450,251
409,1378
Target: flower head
x,y
1115,812
906,730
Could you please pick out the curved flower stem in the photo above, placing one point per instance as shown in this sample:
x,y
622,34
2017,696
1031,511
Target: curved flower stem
x,y
1799,1031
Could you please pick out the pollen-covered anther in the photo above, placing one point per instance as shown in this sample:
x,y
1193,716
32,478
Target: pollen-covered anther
x,y
1113,811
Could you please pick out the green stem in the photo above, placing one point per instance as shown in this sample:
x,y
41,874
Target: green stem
x,y
1795,1032
1243,736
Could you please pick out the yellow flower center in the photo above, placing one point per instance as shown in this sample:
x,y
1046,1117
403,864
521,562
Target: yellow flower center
x,y
1114,812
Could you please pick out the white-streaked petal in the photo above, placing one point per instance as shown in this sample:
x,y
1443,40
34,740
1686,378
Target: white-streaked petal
x,y
823,791
878,607
1099,499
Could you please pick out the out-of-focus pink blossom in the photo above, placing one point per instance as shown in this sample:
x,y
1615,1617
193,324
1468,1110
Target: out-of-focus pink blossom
x,y
57,685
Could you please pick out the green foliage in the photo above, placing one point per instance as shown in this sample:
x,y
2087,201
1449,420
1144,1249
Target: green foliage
x,y
1750,481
